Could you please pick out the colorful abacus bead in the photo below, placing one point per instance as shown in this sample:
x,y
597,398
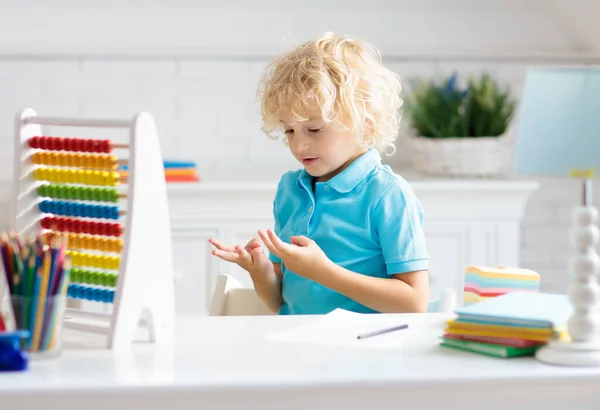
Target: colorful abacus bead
x,y
80,259
75,160
79,209
87,177
88,293
96,243
81,226
70,144
78,192
93,278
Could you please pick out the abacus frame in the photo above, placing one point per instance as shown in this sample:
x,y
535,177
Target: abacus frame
x,y
145,285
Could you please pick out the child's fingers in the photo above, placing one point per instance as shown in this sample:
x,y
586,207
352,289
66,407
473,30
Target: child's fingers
x,y
301,240
278,244
226,255
220,245
253,244
267,241
256,254
244,257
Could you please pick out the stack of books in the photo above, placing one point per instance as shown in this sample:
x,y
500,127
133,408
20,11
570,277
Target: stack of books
x,y
175,171
482,283
511,325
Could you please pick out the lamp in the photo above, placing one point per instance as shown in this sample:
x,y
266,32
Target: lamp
x,y
558,134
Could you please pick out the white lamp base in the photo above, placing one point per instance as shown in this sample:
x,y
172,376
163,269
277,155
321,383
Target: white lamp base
x,y
570,353
583,349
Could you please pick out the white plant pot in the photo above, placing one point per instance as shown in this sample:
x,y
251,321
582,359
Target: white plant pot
x,y
461,157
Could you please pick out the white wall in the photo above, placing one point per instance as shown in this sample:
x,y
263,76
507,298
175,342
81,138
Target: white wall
x,y
195,68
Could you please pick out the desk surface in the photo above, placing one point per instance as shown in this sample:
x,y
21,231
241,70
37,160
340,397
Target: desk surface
x,y
227,363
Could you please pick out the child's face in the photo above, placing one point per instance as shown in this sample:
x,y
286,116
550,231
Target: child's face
x,y
323,149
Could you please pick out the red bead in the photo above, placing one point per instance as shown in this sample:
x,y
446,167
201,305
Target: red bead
x,y
45,222
58,144
34,142
63,225
44,142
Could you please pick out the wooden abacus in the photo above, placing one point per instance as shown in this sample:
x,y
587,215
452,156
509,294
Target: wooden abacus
x,y
71,186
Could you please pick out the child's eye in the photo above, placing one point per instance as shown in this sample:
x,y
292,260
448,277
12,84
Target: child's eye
x,y
314,130
289,131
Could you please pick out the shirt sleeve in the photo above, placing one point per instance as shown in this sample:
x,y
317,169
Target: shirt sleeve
x,y
399,221
276,217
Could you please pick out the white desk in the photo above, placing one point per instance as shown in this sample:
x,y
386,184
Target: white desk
x,y
225,363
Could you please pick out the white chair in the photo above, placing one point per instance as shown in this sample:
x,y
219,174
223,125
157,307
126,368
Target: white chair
x,y
230,298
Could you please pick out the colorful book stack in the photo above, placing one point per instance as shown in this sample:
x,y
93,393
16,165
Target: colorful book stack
x,y
482,283
510,325
175,171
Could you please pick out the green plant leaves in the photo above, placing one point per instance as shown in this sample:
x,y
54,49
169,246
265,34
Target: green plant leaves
x,y
445,111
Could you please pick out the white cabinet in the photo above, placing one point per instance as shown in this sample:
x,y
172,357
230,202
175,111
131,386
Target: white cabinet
x,y
467,223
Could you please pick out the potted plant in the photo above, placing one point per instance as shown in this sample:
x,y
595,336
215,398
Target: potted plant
x,y
460,132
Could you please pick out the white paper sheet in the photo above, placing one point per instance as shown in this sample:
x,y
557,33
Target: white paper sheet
x,y
342,327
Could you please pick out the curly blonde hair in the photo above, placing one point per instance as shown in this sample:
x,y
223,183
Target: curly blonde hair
x,y
345,78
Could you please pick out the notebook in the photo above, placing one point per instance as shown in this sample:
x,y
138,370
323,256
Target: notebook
x,y
489,349
520,308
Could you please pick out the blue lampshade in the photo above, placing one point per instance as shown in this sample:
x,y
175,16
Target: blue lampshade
x,y
558,126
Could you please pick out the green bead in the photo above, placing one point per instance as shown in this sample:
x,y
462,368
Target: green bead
x,y
77,193
76,275
114,195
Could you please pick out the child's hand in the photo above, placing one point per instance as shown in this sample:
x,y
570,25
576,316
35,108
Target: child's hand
x,y
303,256
251,257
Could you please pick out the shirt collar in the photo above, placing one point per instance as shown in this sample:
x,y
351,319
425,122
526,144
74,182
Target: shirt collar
x,y
349,178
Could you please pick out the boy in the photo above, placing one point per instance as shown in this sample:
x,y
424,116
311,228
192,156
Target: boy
x,y
348,231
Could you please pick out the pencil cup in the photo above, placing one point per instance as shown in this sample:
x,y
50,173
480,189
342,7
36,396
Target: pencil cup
x,y
42,318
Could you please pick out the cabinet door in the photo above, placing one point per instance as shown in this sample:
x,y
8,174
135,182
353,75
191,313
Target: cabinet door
x,y
454,246
194,269
447,246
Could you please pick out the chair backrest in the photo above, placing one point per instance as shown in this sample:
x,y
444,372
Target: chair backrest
x,y
230,298
445,303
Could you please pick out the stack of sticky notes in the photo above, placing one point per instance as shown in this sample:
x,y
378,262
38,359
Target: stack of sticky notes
x,y
513,324
482,283
175,171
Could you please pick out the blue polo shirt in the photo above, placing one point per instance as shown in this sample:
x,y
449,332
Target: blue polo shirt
x,y
366,219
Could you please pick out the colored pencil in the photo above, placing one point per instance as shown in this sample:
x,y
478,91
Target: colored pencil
x,y
50,337
41,300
